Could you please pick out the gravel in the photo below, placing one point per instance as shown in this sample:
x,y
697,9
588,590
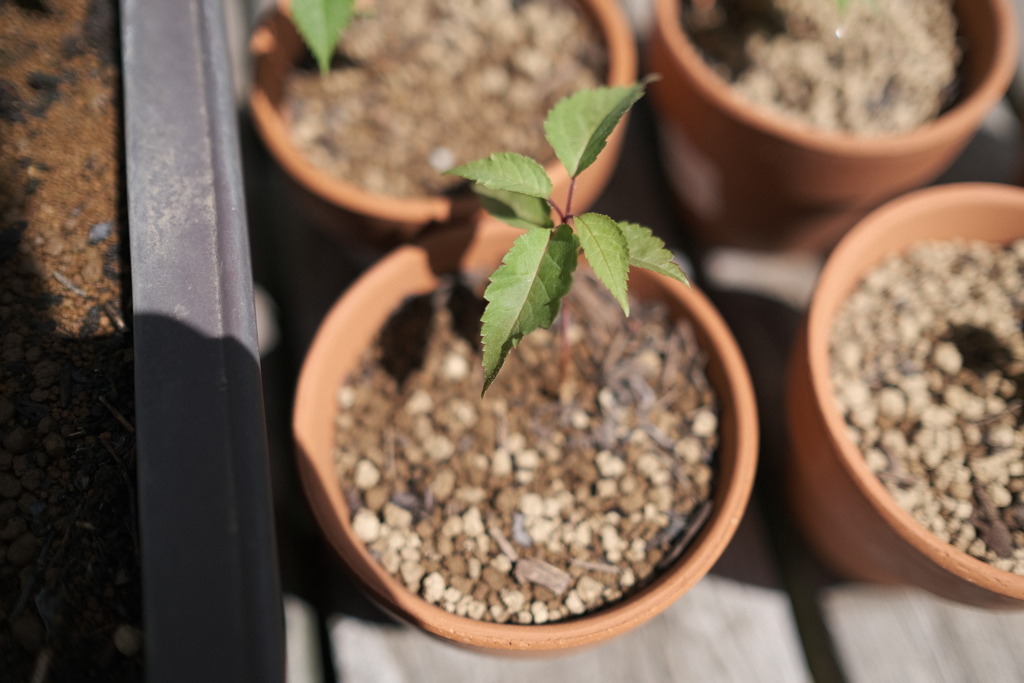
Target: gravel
x,y
872,67
424,86
69,563
549,498
927,357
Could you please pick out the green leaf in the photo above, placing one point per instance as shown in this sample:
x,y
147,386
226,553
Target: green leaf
x,y
647,251
526,291
607,252
578,126
320,23
516,209
507,171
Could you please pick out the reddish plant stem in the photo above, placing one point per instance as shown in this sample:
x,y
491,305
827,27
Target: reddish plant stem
x,y
564,319
564,354
558,210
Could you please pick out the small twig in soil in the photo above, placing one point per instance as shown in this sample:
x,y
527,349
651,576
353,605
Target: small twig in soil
x,y
659,437
676,524
110,449
529,570
666,400
61,278
88,526
116,414
504,545
596,566
500,428
114,316
519,533
696,523
131,491
670,371
645,396
614,353
42,667
389,452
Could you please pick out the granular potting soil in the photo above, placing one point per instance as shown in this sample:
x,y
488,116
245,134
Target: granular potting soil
x,y
927,359
553,495
870,67
70,603
420,87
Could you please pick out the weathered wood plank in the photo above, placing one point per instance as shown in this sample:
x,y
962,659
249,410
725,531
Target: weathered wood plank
x,y
884,634
722,631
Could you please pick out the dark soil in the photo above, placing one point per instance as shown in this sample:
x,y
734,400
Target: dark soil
x,y
70,603
418,88
552,496
875,67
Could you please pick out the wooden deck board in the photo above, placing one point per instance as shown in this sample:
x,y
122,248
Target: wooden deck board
x,y
888,634
722,631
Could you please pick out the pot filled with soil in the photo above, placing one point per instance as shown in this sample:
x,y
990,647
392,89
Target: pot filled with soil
x,y
597,480
905,402
785,122
417,89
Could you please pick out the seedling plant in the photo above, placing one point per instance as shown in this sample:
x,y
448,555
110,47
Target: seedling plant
x,y
321,23
526,291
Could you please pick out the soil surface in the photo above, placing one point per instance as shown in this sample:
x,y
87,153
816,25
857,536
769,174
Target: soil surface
x,y
873,67
550,497
420,87
70,602
928,366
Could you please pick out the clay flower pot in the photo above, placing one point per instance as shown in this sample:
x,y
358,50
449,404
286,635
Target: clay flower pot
x,y
382,219
746,177
845,512
352,325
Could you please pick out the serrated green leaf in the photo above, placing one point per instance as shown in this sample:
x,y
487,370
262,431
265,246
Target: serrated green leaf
x,y
526,292
607,253
507,171
578,126
516,209
648,251
320,23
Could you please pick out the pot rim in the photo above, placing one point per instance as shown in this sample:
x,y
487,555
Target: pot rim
x,y
965,115
735,479
611,23
838,278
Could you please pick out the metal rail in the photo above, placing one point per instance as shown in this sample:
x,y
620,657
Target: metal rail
x,y
211,594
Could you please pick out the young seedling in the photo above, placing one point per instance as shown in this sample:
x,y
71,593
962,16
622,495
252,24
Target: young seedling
x,y
320,23
526,291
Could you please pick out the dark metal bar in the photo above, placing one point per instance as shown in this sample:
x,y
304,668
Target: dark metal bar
x,y
211,595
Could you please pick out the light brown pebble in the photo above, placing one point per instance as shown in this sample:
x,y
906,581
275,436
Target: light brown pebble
x,y
366,475
366,525
128,640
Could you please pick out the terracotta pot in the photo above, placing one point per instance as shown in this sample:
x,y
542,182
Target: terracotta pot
x,y
747,177
845,512
376,218
352,325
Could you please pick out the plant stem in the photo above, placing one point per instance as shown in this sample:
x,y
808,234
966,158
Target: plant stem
x,y
564,353
561,214
563,319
